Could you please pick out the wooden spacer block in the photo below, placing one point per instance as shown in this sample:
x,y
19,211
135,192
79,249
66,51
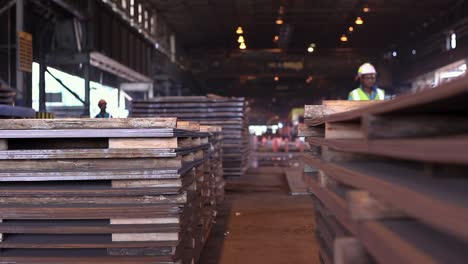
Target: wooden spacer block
x,y
207,128
197,141
136,237
188,125
343,131
145,221
188,158
146,183
145,143
363,206
349,250
3,144
199,154
185,142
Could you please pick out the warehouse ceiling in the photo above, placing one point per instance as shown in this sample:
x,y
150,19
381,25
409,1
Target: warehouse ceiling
x,y
282,72
212,23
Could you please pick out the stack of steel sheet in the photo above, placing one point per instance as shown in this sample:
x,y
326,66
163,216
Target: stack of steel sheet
x,y
230,113
390,177
101,190
213,181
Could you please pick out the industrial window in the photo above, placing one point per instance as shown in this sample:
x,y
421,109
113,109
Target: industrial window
x,y
450,72
57,96
451,41
146,19
440,76
153,23
140,14
132,8
172,44
124,4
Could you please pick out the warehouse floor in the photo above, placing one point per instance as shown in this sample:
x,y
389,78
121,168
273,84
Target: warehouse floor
x,y
261,223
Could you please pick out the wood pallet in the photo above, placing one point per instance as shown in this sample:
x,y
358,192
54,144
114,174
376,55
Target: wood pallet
x,y
80,198
393,174
229,113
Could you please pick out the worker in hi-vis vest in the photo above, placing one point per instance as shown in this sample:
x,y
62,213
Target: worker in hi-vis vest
x,y
367,90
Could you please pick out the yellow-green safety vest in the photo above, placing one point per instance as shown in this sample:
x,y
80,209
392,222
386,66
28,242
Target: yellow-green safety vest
x,y
359,95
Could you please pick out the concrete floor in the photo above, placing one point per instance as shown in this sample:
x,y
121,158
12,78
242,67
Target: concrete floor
x,y
261,223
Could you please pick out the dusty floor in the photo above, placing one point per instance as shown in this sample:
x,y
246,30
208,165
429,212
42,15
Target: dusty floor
x,y
261,223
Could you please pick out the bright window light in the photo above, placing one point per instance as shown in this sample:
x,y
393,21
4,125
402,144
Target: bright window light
x,y
140,13
454,73
453,41
258,130
451,74
115,104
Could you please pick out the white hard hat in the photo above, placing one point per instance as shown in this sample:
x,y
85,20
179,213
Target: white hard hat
x,y
366,68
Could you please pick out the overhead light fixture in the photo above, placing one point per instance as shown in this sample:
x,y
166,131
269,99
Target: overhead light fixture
x,y
242,46
394,54
279,21
344,38
351,29
413,52
359,21
276,78
276,38
241,39
311,47
240,31
366,9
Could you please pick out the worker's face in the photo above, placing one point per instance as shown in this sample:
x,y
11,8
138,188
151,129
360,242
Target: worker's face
x,y
103,106
368,80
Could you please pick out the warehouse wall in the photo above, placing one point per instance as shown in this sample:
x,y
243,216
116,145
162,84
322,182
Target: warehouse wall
x,y
431,45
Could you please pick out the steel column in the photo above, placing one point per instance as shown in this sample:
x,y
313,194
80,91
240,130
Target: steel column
x,y
19,28
42,87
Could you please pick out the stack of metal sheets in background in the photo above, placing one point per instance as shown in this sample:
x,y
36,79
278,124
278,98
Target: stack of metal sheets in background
x,y
230,113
